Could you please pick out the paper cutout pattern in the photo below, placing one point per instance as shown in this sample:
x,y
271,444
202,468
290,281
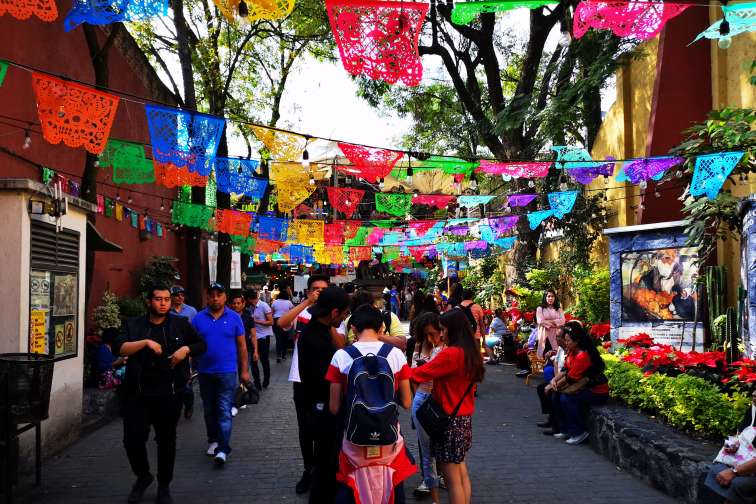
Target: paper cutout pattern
x,y
515,169
472,201
232,222
257,9
379,39
393,204
235,175
344,199
79,116
169,175
711,171
434,200
465,12
46,10
562,202
368,163
640,20
184,138
535,218
102,12
129,163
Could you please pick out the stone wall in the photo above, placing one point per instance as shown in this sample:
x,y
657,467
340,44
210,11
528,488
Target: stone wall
x,y
665,459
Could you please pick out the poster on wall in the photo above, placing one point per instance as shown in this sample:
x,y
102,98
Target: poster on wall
x,y
64,302
59,339
659,285
69,334
38,343
39,287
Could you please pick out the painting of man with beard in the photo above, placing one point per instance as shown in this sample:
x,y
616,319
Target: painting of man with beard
x,y
659,284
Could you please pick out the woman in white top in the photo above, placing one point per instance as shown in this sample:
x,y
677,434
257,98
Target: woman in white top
x,y
427,333
280,306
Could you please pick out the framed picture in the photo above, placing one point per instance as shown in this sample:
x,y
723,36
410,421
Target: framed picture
x,y
659,284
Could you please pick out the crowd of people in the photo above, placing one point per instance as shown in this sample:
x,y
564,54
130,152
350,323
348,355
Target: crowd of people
x,y
353,368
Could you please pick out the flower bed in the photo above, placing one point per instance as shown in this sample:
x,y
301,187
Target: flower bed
x,y
685,402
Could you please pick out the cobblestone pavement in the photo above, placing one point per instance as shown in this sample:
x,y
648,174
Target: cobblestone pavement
x,y
510,462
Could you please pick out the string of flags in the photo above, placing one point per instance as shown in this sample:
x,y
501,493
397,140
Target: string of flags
x,y
184,148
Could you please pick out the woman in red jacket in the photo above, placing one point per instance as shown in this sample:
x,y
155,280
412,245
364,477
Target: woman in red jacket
x,y
584,367
452,372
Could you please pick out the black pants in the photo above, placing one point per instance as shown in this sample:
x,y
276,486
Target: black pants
x,y
263,351
327,433
282,340
163,415
547,406
305,437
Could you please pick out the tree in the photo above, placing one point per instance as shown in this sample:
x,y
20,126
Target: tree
x,y
515,99
221,61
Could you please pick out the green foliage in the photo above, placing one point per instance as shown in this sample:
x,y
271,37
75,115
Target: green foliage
x,y
685,402
593,296
131,307
530,299
160,270
725,130
542,279
107,314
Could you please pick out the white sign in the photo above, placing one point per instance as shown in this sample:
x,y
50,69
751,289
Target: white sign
x,y
236,282
212,259
670,333
212,264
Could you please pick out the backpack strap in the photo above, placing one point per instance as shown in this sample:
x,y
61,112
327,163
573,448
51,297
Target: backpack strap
x,y
385,350
353,352
461,400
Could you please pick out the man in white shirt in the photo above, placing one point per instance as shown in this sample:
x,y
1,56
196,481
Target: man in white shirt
x,y
263,317
301,315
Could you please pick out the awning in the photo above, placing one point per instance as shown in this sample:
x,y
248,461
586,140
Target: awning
x,y
95,241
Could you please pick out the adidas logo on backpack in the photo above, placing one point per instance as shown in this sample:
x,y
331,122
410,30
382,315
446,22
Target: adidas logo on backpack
x,y
372,415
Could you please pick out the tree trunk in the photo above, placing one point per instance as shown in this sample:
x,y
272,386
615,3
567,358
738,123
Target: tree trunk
x,y
223,266
193,236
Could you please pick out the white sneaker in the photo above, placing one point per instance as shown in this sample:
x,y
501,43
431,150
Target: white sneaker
x,y
422,489
220,458
234,411
560,435
576,440
211,449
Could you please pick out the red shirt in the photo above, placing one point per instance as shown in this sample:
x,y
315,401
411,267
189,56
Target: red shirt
x,y
447,370
577,365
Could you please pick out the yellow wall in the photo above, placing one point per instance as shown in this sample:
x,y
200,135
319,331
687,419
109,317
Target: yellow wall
x,y
731,88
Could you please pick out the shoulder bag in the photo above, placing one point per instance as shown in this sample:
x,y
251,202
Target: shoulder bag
x,y
432,417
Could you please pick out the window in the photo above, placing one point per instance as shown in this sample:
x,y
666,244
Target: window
x,y
53,291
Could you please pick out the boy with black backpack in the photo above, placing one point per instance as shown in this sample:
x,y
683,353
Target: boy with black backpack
x,y
368,378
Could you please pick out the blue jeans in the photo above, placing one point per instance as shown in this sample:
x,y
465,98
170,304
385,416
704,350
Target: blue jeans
x,y
217,392
571,408
427,462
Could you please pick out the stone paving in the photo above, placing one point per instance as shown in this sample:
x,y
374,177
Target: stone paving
x,y
510,462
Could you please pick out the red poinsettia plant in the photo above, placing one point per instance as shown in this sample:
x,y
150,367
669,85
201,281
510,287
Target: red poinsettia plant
x,y
744,371
529,316
639,340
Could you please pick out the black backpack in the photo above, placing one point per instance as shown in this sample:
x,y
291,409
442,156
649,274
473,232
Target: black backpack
x,y
469,314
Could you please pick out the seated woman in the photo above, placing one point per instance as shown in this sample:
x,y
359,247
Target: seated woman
x,y
109,369
554,363
581,383
736,483
498,332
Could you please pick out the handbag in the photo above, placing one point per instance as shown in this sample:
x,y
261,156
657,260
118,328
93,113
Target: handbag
x,y
432,417
745,451
574,388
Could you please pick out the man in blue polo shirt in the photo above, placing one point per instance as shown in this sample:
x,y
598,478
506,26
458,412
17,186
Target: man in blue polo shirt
x,y
223,331
177,303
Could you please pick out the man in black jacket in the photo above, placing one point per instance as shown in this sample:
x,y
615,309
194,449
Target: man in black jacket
x,y
157,346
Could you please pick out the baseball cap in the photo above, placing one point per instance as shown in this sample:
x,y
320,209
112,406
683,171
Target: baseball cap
x,y
176,289
216,286
329,299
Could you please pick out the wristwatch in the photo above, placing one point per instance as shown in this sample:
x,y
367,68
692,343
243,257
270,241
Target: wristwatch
x,y
735,471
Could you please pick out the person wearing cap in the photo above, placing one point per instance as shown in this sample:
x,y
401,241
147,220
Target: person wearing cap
x,y
223,331
316,349
177,303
